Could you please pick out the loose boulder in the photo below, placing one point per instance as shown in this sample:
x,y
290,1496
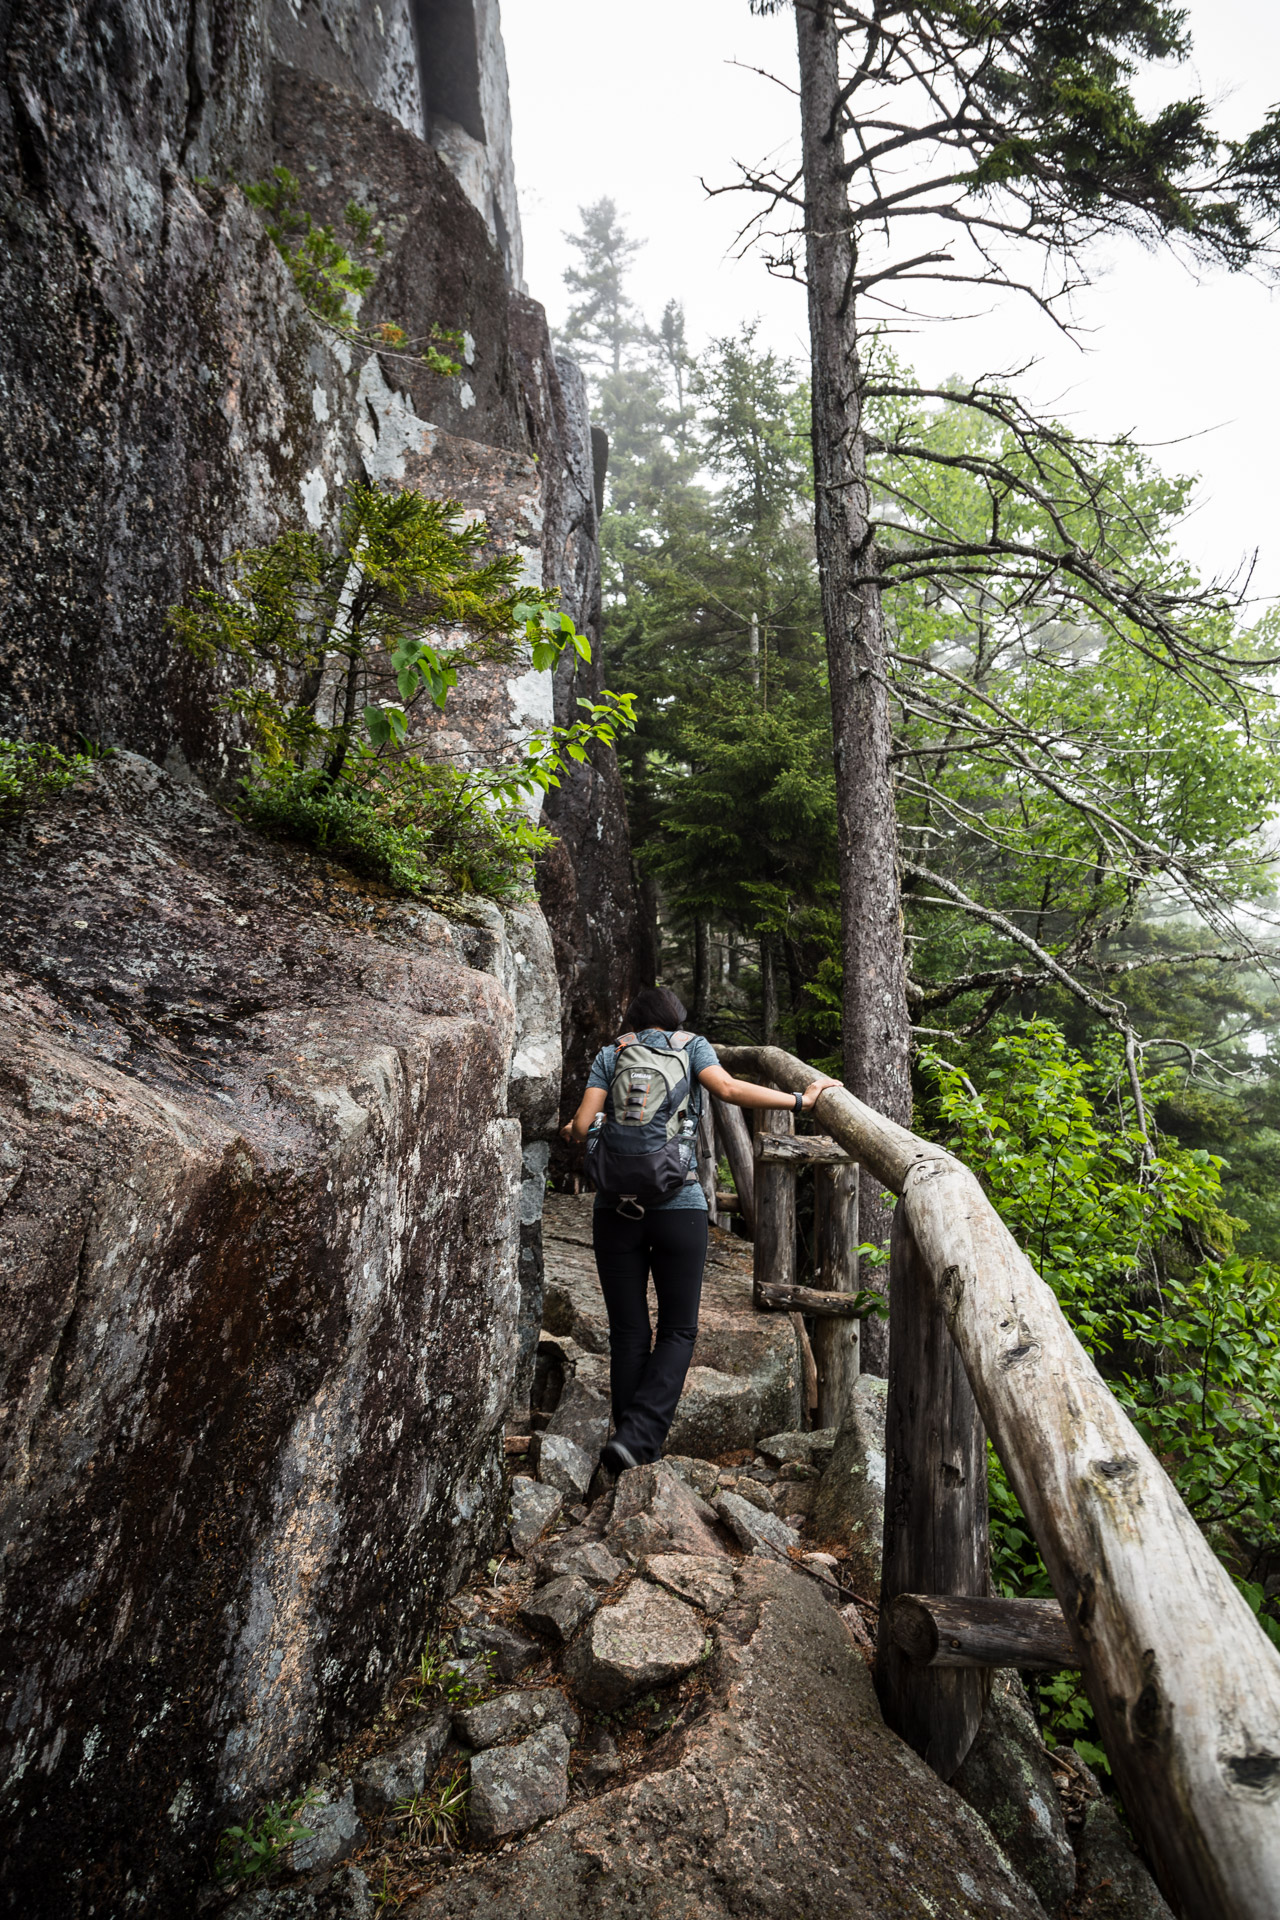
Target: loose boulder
x,y
648,1638
655,1512
707,1584
800,1449
403,1770
700,1476
590,1561
581,1415
335,1832
562,1464
533,1508
509,1715
512,1788
718,1413
509,1653
755,1529
560,1607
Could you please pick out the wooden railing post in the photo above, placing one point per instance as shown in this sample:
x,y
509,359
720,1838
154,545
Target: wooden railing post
x,y
935,1510
775,1237
734,1136
836,1343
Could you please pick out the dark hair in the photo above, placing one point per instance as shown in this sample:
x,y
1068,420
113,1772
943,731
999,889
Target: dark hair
x,y
654,1007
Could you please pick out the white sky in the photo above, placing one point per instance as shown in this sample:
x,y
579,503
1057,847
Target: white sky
x,y
639,101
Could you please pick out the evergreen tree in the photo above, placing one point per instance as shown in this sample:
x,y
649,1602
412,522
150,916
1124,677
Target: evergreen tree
x,y
603,323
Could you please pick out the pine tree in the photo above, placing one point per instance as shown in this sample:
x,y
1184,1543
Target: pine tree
x,y
603,324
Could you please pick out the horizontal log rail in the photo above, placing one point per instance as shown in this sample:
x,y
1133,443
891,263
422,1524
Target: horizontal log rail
x,y
813,1301
1184,1683
937,1630
811,1149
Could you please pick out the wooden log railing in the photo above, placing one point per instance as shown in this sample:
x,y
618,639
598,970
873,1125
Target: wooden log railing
x,y
1184,1683
764,1174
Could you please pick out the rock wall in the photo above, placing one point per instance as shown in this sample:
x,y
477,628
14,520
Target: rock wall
x,y
261,1294
274,1145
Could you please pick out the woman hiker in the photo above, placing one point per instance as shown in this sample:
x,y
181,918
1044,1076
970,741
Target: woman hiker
x,y
645,1091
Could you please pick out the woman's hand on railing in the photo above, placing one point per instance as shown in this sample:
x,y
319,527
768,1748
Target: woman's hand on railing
x,y
815,1087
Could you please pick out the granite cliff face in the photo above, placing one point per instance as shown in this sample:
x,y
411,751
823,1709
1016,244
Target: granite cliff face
x,y
272,1145
260,1248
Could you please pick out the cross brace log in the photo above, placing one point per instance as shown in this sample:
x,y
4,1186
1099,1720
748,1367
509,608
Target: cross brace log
x,y
967,1630
812,1300
802,1149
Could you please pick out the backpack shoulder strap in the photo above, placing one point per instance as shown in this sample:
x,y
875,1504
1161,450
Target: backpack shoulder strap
x,y
626,1040
681,1039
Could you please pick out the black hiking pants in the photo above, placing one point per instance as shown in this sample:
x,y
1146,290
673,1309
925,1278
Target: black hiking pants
x,y
646,1375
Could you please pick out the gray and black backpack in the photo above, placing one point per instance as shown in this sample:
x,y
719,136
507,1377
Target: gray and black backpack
x,y
645,1146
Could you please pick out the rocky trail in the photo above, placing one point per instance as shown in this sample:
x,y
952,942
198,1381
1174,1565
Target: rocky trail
x,y
658,1696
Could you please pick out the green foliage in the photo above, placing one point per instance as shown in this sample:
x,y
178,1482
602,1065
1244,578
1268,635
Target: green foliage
x,y
322,635
439,1672
419,829
1140,1255
330,280
245,1853
32,773
434,1818
1067,1718
324,273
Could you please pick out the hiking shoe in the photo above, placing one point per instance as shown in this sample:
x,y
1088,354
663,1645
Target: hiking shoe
x,y
615,1458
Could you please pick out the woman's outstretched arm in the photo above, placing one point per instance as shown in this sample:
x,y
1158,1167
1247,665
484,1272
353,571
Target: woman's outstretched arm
x,y
745,1093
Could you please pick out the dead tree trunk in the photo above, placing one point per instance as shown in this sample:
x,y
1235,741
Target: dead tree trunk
x,y
876,1025
701,975
768,991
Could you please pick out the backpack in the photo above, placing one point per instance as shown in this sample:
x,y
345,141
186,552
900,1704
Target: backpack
x,y
644,1147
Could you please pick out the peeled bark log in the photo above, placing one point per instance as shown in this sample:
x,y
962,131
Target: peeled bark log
x,y
936,1630
804,1149
837,1341
707,1160
808,1365
811,1300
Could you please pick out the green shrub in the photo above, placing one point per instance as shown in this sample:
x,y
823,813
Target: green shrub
x,y
255,1848
31,773
318,633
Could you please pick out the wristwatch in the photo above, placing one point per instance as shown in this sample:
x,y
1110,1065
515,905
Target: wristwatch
x,y
799,1100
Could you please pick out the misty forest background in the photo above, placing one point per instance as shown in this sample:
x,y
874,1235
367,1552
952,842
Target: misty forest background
x,y
1163,1250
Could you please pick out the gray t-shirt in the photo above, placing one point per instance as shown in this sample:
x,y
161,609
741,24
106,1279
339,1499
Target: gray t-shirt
x,y
701,1056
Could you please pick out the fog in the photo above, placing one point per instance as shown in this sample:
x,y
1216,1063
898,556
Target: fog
x,y
645,102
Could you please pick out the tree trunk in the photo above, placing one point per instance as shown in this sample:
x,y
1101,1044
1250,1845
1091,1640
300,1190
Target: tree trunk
x,y
876,1026
701,975
768,992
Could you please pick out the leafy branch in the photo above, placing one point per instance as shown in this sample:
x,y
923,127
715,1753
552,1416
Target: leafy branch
x,y
331,282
